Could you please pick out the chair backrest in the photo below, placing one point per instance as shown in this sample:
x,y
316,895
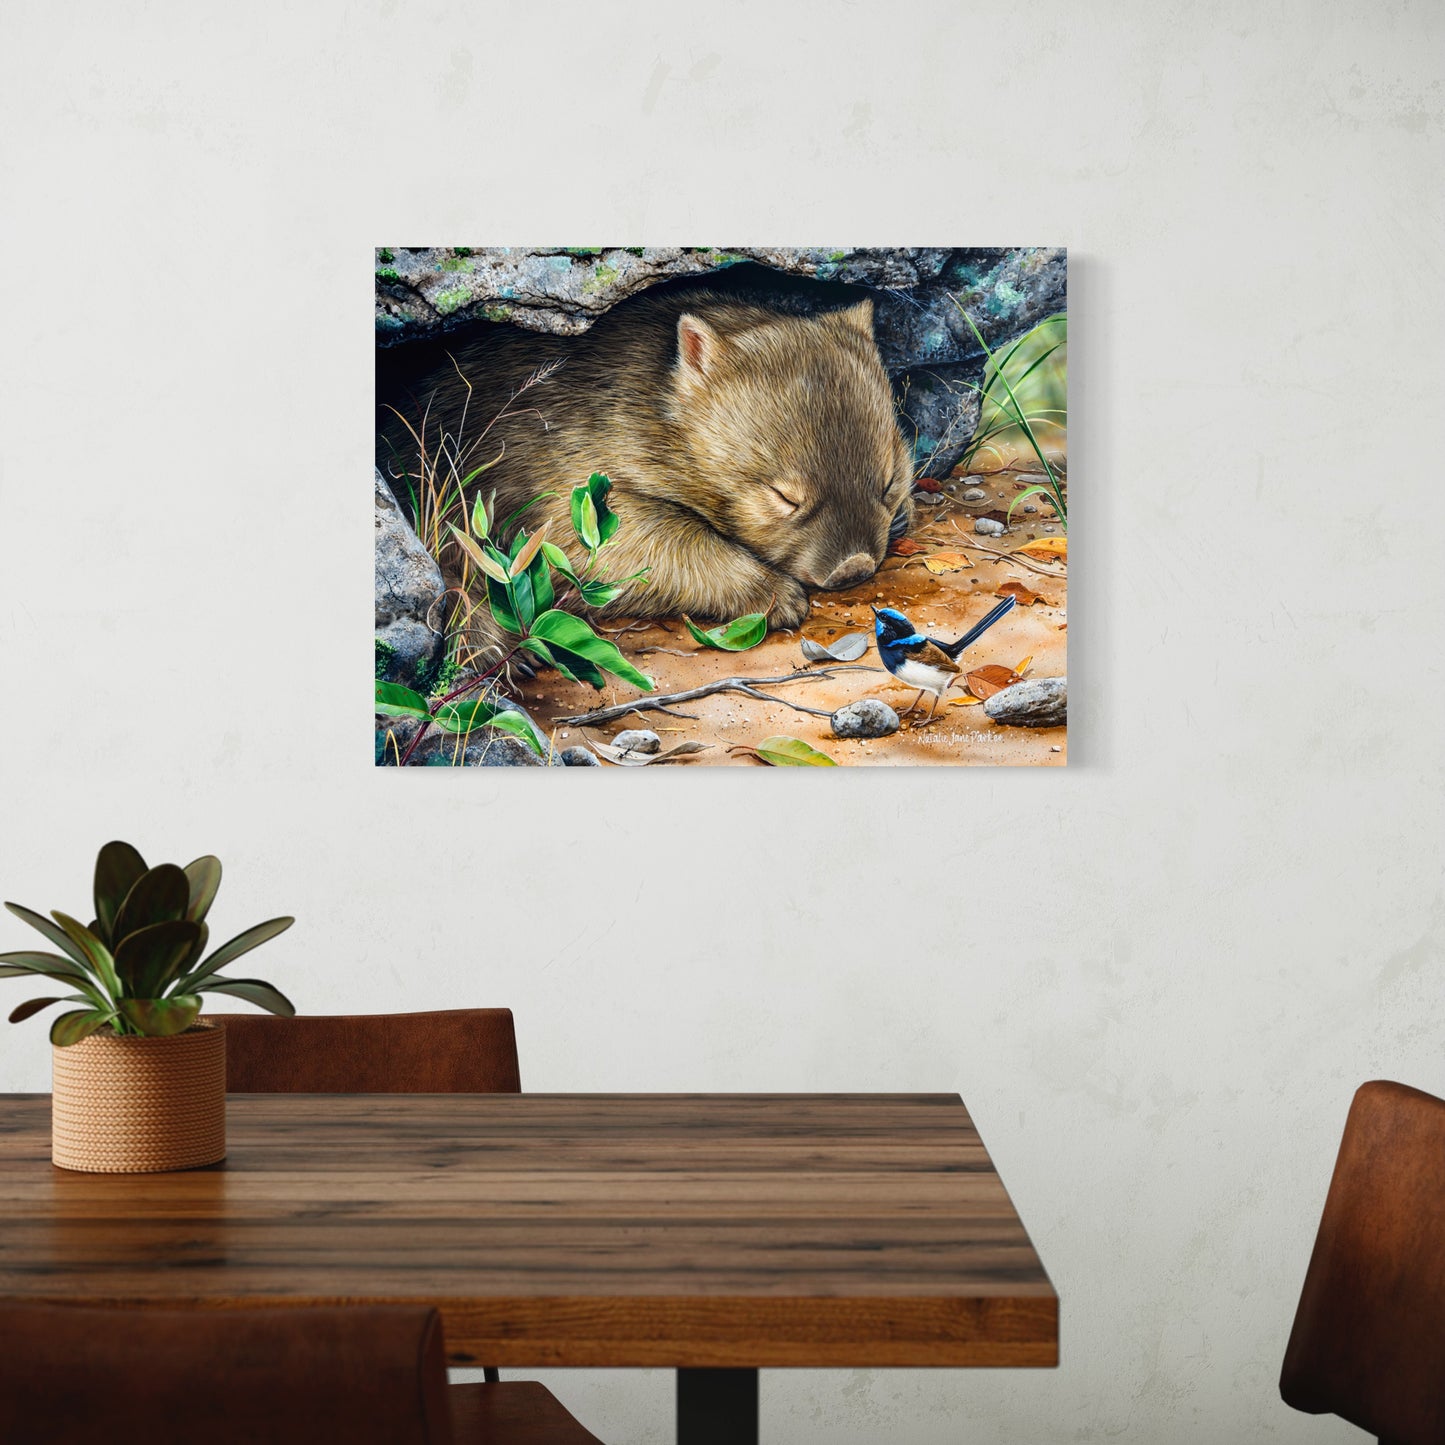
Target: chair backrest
x,y
452,1051
369,1376
1368,1342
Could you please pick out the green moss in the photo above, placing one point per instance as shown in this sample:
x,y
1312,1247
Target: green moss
x,y
497,313
385,656
388,275
385,256
602,276
461,250
447,301
456,263
583,250
635,250
837,256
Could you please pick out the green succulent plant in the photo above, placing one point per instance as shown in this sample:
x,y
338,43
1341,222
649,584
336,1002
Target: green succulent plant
x,y
139,969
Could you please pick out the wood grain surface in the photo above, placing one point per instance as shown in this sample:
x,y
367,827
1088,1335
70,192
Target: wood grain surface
x,y
616,1230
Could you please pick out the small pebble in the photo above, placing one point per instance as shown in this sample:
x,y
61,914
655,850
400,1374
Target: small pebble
x,y
637,740
1056,749
987,527
975,494
1048,527
869,717
1029,507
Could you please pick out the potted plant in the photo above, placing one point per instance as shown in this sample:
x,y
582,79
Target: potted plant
x,y
139,1078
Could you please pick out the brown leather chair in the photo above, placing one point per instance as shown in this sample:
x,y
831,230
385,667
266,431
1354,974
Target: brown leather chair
x,y
451,1051
1368,1342
225,1377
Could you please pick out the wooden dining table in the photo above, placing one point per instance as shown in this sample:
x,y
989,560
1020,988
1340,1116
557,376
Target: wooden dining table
x,y
713,1234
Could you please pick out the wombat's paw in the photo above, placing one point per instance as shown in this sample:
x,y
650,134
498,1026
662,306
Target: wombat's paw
x,y
790,605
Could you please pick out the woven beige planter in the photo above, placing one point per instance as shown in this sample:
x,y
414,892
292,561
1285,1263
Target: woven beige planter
x,y
140,1106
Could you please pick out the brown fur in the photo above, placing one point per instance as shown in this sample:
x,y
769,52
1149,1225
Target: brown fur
x,y
753,454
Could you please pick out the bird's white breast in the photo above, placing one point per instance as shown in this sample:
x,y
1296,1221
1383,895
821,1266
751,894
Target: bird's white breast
x,y
920,674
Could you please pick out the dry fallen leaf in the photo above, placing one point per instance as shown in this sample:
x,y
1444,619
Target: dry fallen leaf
x,y
1024,596
1047,549
941,562
965,701
845,649
1022,667
643,760
927,484
905,547
983,682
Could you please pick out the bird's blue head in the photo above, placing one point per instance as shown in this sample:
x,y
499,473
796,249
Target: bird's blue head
x,y
890,625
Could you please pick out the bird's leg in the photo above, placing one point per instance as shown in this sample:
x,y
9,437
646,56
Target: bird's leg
x,y
913,706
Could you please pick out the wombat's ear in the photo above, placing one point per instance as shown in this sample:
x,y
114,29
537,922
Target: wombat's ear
x,y
699,348
859,317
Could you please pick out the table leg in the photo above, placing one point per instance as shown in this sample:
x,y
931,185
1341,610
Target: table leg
x,y
717,1407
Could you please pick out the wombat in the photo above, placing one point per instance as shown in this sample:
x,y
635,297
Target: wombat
x,y
753,453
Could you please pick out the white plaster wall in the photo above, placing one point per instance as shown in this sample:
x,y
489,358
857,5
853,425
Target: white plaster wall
x,y
1156,979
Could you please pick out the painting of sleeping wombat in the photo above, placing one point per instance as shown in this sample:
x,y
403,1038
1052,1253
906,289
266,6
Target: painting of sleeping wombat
x,y
674,505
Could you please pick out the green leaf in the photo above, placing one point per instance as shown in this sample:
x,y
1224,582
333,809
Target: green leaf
x,y
584,519
72,1027
785,752
204,876
540,576
598,594
253,991
242,943
118,867
148,959
480,523
499,599
1025,494
96,956
57,935
33,1006
576,667
737,636
598,486
520,725
394,700
159,896
45,965
157,1018
531,546
524,602
561,561
572,633
485,562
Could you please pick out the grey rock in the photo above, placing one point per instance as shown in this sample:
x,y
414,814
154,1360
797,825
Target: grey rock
x,y
580,757
987,527
1036,703
408,582
869,717
1029,507
637,740
926,345
975,494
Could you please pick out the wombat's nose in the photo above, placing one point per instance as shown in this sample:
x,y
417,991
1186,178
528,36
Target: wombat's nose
x,y
856,568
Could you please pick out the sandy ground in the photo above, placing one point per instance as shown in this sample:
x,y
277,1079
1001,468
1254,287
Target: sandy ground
x,y
942,605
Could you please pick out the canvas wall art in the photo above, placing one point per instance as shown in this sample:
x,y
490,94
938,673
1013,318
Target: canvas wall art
x,y
688,506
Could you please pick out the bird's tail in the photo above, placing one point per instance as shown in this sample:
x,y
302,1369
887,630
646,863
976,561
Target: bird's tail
x,y
978,629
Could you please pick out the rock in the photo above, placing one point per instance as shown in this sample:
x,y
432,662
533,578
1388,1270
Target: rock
x,y
637,740
580,757
1029,507
987,527
1037,703
869,717
975,494
929,351
408,582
